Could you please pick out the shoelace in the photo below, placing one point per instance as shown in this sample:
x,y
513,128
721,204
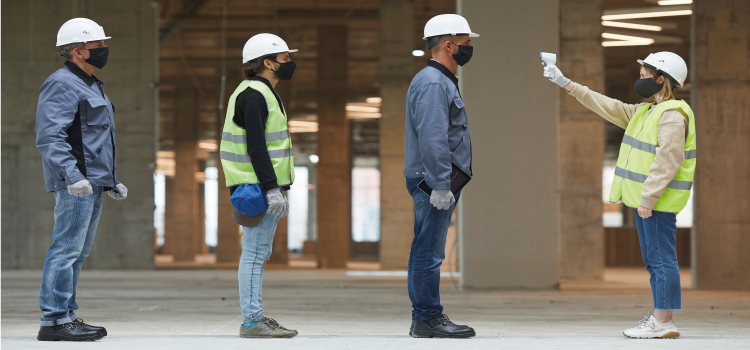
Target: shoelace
x,y
80,322
274,325
446,321
647,322
72,325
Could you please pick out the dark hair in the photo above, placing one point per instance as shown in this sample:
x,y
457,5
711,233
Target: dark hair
x,y
256,66
65,50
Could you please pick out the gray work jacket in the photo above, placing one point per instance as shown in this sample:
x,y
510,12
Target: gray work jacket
x,y
75,130
437,128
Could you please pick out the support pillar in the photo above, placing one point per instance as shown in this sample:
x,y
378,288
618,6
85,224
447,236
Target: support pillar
x,y
509,232
334,167
396,72
721,76
228,238
184,197
581,143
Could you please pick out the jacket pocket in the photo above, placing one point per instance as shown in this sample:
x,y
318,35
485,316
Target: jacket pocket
x,y
101,166
458,113
97,113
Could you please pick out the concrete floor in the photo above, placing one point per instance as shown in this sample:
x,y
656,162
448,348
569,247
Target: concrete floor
x,y
199,310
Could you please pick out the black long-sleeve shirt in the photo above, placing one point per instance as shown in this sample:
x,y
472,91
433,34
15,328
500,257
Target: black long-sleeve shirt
x,y
251,114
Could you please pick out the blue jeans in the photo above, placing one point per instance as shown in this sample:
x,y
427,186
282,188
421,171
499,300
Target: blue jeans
x,y
658,237
257,243
427,253
76,219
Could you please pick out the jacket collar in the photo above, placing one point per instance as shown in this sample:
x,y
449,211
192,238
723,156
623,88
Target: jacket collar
x,y
437,65
88,80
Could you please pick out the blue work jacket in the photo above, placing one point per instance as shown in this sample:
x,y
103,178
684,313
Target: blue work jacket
x,y
437,128
75,130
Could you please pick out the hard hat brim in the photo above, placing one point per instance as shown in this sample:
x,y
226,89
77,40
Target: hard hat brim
x,y
268,54
645,64
471,35
90,41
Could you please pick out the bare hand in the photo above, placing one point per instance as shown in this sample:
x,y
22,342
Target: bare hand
x,y
644,212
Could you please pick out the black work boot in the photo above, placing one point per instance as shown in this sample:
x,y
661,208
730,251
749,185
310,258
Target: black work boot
x,y
411,330
69,332
80,323
441,327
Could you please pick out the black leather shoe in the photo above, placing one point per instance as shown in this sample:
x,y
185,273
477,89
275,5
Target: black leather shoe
x,y
69,332
80,323
441,327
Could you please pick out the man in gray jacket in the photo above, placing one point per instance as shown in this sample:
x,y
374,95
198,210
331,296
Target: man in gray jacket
x,y
437,137
75,133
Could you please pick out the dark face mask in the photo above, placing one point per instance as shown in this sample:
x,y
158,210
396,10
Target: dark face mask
x,y
648,87
286,70
98,57
463,55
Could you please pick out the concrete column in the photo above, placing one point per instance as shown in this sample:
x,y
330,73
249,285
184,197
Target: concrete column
x,y
280,253
334,168
170,216
510,207
185,190
721,76
229,243
125,236
396,72
581,143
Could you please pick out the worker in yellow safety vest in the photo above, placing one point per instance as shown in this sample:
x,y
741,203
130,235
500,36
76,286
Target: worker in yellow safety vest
x,y
256,156
654,173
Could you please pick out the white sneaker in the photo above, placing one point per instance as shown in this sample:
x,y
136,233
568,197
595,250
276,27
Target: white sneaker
x,y
650,327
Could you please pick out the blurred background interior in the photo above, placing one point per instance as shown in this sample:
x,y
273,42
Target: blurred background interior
x,y
535,214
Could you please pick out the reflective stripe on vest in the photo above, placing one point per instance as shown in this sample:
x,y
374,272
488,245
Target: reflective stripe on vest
x,y
637,154
235,160
644,146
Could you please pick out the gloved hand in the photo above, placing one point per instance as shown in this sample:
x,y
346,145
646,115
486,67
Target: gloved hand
x,y
120,192
286,207
81,188
555,75
276,203
442,199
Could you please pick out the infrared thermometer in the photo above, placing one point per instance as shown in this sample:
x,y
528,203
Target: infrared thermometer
x,y
549,58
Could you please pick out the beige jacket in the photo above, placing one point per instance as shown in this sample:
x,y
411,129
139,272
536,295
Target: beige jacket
x,y
673,130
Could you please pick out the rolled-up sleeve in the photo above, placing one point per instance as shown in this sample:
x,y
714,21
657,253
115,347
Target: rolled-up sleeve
x,y
55,113
431,119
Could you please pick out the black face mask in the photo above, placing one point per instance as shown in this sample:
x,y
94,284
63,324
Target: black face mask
x,y
463,55
648,87
98,57
286,70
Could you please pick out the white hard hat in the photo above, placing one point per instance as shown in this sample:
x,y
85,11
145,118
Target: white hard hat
x,y
80,30
448,24
668,63
262,45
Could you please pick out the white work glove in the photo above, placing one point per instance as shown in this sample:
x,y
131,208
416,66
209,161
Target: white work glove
x,y
277,204
442,199
81,188
120,192
555,75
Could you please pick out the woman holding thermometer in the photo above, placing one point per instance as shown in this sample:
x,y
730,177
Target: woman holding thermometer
x,y
654,172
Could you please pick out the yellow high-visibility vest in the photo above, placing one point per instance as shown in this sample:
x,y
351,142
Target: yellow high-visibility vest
x,y
637,154
234,158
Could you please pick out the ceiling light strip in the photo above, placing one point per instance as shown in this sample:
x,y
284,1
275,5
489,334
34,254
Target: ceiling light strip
x,y
631,26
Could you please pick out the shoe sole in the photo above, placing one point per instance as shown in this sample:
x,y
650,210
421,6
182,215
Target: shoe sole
x,y
60,338
669,335
269,336
442,335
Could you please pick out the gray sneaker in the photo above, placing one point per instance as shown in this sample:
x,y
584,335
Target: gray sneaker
x,y
266,328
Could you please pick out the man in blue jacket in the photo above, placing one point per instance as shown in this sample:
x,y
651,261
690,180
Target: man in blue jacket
x,y
75,133
437,136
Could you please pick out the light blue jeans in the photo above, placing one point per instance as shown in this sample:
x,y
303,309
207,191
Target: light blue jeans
x,y
76,219
658,238
257,244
